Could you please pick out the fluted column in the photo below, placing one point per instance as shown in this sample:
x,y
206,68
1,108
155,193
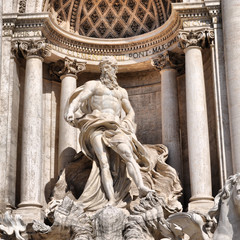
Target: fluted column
x,y
167,63
231,35
197,123
67,70
31,160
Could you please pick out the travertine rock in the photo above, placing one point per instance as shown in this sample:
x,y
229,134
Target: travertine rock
x,y
11,227
69,222
109,223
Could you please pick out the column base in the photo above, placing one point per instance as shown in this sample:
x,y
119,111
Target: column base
x,y
201,204
29,204
30,213
9,207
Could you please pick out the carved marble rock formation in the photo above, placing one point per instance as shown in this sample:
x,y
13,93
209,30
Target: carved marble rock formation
x,y
109,223
10,226
68,222
226,211
147,220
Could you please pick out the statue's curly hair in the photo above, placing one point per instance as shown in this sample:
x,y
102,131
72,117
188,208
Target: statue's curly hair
x,y
110,60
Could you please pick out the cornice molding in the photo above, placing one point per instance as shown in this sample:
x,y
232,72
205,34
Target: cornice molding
x,y
198,14
131,53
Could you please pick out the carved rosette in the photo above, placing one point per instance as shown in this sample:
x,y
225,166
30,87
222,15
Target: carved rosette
x,y
68,66
37,48
192,38
168,60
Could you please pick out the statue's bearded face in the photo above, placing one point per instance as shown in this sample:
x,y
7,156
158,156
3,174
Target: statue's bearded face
x,y
108,76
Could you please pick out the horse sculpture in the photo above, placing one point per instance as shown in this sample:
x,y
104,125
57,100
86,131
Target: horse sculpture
x,y
226,210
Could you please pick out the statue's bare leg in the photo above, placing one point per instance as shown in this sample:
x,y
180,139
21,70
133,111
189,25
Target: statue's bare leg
x,y
133,168
102,155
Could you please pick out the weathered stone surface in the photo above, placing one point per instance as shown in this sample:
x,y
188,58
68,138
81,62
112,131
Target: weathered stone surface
x,y
11,227
226,211
68,221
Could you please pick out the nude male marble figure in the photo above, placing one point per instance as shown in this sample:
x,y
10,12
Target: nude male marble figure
x,y
106,120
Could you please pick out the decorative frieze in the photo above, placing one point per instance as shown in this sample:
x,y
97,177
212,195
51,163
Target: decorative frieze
x,y
192,38
8,28
25,27
196,23
168,60
27,34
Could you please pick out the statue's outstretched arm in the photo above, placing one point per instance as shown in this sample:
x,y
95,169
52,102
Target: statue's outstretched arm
x,y
85,94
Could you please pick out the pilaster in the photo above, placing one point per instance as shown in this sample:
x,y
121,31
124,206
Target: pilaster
x,y
231,36
215,40
9,95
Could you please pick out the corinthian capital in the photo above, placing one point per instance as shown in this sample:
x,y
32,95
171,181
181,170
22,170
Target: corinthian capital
x,y
34,48
168,60
15,49
210,37
192,38
67,66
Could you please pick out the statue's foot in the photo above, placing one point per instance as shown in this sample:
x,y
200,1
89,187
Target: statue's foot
x,y
143,191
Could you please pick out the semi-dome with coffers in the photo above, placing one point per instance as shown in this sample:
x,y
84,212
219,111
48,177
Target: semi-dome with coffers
x,y
110,18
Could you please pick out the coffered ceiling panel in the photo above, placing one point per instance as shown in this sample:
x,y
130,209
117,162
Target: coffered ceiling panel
x,y
110,18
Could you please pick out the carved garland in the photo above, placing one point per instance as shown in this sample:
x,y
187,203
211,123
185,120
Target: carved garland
x,y
22,6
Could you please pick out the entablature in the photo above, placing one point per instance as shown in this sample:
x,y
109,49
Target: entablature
x,y
133,53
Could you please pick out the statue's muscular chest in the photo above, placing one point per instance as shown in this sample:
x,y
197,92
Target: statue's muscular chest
x,y
105,98
105,92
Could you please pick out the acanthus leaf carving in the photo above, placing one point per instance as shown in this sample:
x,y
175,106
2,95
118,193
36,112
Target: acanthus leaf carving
x,y
34,48
67,66
210,37
168,60
192,38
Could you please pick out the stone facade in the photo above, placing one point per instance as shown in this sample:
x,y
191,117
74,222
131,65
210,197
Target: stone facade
x,y
176,59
